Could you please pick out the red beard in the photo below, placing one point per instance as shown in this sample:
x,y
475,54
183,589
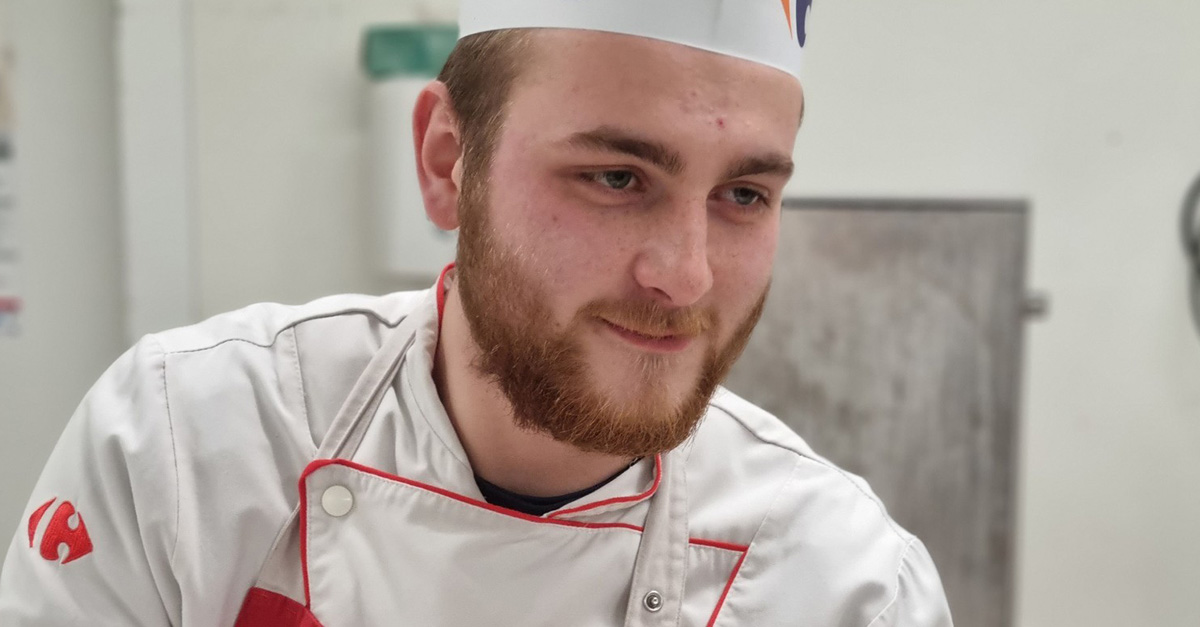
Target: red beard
x,y
543,372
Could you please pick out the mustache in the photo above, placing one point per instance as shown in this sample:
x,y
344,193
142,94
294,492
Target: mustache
x,y
650,318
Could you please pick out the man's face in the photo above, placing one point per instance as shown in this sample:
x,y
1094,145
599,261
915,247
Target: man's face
x,y
616,256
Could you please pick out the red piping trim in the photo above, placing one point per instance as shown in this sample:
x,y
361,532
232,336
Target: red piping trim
x,y
441,293
313,467
620,499
717,544
304,537
729,584
321,463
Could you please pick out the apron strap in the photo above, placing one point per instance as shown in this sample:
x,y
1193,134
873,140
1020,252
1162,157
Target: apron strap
x,y
357,411
660,570
279,573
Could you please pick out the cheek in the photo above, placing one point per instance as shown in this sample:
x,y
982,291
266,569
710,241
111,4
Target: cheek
x,y
572,251
742,259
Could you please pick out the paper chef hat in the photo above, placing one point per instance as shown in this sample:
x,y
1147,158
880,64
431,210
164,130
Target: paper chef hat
x,y
771,32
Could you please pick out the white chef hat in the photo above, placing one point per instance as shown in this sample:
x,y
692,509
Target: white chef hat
x,y
771,32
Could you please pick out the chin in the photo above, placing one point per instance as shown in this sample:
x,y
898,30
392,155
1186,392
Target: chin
x,y
629,376
642,384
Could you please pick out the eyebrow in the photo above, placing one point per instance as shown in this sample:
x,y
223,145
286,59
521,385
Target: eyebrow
x,y
612,140
773,164
609,139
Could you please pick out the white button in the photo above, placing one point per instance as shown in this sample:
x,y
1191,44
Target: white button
x,y
337,501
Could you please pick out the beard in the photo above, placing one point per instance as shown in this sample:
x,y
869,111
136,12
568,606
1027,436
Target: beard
x,y
543,372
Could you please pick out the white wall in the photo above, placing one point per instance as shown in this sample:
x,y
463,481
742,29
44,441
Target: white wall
x,y
66,159
1091,110
281,138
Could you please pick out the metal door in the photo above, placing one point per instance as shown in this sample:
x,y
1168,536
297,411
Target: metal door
x,y
891,342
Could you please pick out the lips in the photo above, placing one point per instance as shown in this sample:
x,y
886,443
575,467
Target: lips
x,y
650,342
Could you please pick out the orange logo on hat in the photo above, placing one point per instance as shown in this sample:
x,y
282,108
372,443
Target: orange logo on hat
x,y
787,10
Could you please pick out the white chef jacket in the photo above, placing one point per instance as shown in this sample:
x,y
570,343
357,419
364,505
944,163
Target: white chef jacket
x,y
175,476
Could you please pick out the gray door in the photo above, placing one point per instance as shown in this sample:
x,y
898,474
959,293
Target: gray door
x,y
892,343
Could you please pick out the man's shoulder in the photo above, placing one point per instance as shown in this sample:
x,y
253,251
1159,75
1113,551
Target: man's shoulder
x,y
760,428
746,467
269,377
261,324
819,543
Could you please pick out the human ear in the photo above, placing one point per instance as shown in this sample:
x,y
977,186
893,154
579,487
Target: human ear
x,y
438,144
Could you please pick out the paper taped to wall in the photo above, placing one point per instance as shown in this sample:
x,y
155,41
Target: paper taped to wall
x,y
10,296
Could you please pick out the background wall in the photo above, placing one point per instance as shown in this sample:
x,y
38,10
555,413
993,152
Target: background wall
x,y
1089,108
281,147
67,186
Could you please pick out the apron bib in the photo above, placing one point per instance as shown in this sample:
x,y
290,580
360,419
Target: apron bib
x,y
366,548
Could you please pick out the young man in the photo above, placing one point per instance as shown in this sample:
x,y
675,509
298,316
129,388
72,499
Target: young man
x,y
539,439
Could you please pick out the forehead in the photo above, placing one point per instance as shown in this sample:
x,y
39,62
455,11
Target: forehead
x,y
572,80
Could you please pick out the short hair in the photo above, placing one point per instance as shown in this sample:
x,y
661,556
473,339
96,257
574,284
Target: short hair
x,y
479,75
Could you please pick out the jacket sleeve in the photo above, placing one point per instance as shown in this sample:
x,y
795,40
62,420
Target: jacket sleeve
x,y
96,541
920,600
828,554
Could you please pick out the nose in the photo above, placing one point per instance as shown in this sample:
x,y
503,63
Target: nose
x,y
673,262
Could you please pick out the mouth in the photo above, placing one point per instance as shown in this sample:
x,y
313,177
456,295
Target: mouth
x,y
650,342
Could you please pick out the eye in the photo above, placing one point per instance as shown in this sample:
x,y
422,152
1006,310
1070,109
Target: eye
x,y
745,196
619,180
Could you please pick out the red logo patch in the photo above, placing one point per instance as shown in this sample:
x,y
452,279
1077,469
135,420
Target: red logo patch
x,y
60,532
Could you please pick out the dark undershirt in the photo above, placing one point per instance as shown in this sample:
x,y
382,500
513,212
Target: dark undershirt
x,y
536,505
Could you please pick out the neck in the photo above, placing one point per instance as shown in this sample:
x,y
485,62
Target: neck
x,y
516,459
